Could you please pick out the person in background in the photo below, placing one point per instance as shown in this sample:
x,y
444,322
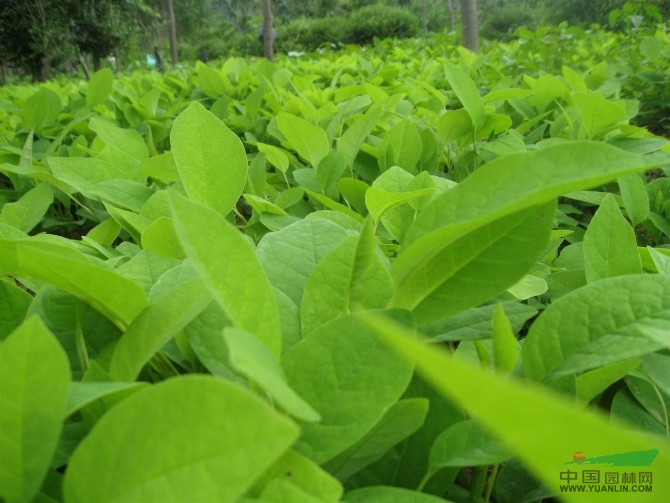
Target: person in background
x,y
159,61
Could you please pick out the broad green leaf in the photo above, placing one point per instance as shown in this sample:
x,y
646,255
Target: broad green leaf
x,y
350,278
528,286
145,268
375,494
504,186
160,237
551,427
330,170
15,302
590,384
401,147
85,173
230,267
296,479
505,345
598,114
275,156
476,267
99,87
249,356
379,201
128,141
635,198
34,387
156,325
655,366
105,232
466,444
210,158
351,140
467,93
210,80
205,336
660,261
84,393
403,419
41,109
116,297
290,255
610,246
310,141
476,323
608,321
125,194
347,376
165,443
29,210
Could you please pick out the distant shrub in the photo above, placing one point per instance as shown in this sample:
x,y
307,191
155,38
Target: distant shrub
x,y
305,34
500,23
381,22
360,27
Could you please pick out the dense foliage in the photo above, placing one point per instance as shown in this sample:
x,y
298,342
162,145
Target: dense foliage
x,y
398,273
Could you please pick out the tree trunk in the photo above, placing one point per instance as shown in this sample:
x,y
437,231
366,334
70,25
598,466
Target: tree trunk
x,y
268,38
173,33
452,14
470,25
424,15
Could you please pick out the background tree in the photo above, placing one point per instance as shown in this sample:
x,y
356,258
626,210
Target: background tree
x,y
174,52
268,35
470,24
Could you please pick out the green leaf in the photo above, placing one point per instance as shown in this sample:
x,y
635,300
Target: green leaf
x,y
476,323
41,109
210,158
379,201
99,87
403,419
466,444
590,384
127,141
351,140
13,308
505,345
84,393
162,319
401,147
165,443
599,115
116,297
34,384
501,187
310,141
290,255
467,92
349,378
28,211
275,156
85,173
610,246
494,401
296,479
350,278
249,356
612,320
228,264
635,198
476,267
